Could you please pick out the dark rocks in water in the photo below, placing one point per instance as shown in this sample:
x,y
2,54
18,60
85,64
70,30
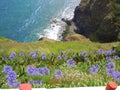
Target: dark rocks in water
x,y
68,22
96,19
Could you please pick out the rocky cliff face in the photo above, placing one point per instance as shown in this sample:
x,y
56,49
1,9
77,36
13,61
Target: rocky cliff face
x,y
98,20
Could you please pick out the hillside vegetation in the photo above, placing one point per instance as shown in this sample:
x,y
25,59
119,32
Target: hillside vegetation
x,y
57,64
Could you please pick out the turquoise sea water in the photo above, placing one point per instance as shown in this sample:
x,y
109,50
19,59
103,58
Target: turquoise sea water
x,y
27,20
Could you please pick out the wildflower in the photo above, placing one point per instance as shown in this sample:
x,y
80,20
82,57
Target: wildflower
x,y
84,54
94,69
31,70
11,82
21,54
116,57
113,51
12,56
43,55
86,58
16,85
38,82
63,56
11,75
99,51
59,57
70,62
43,71
117,76
111,65
33,55
75,55
47,71
110,72
31,82
108,58
58,74
108,52
7,69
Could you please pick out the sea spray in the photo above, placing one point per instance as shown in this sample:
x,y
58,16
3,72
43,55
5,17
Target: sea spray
x,y
55,30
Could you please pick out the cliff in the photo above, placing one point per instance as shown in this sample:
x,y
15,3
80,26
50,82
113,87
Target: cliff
x,y
98,20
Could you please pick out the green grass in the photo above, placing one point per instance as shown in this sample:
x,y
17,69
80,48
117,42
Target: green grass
x,y
72,76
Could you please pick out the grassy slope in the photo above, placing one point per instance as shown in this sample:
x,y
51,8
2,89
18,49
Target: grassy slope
x,y
48,47
81,76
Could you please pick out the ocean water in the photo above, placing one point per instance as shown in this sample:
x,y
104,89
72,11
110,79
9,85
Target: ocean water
x,y
28,20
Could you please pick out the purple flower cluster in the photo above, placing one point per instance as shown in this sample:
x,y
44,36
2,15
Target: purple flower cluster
x,y
43,55
86,59
108,52
21,54
33,54
58,74
108,58
43,71
12,55
36,82
111,71
100,51
116,76
37,71
84,53
70,62
116,57
94,69
11,77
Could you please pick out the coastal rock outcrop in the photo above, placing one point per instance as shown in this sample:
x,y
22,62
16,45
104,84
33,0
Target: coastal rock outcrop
x,y
98,20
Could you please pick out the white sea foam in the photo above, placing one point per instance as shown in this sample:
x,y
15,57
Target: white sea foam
x,y
54,30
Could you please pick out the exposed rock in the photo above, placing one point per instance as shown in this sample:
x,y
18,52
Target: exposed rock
x,y
54,20
76,37
46,39
96,19
68,22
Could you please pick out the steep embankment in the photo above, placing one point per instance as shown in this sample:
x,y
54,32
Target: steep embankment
x,y
98,19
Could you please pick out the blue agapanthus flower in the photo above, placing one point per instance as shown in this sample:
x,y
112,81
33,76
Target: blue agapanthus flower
x,y
110,72
21,54
59,57
108,58
33,55
12,55
38,82
31,70
31,82
108,52
43,71
86,59
70,62
111,65
94,69
63,56
117,76
84,53
43,55
7,69
100,51
11,75
58,74
11,82
116,57
75,55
